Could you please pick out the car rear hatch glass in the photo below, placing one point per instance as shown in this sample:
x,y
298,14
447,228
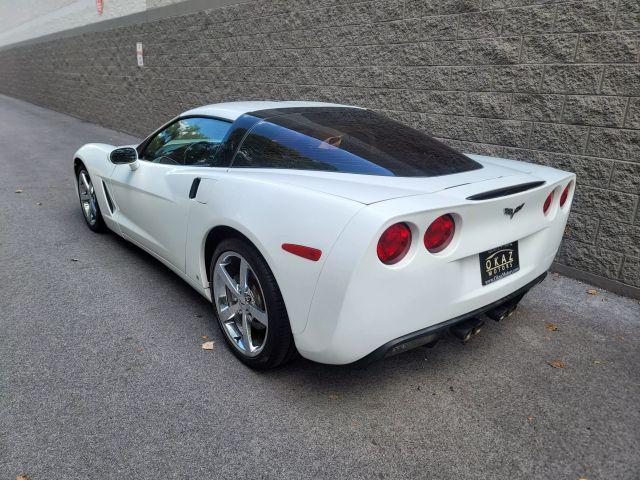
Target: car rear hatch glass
x,y
346,140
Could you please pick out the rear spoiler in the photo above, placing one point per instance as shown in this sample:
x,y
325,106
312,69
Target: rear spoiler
x,y
505,191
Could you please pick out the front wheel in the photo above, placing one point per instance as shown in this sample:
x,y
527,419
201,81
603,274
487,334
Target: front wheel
x,y
89,202
248,306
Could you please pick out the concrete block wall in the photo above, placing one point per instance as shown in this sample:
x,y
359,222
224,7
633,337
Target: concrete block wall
x,y
552,82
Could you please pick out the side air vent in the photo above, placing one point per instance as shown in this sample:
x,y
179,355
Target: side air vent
x,y
106,194
506,191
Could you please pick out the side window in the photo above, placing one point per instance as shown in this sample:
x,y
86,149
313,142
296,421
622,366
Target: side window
x,y
190,141
272,146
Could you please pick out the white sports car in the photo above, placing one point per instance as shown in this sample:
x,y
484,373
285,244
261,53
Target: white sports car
x,y
328,230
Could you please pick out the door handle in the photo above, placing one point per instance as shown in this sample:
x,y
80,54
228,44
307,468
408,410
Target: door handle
x,y
194,187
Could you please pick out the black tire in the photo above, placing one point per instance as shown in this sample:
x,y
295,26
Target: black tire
x,y
98,224
278,347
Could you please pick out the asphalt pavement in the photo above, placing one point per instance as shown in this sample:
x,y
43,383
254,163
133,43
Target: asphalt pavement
x,y
102,375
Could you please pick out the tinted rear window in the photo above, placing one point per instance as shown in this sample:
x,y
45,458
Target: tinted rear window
x,y
346,140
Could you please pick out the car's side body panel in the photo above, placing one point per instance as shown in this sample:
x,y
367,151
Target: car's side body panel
x,y
152,207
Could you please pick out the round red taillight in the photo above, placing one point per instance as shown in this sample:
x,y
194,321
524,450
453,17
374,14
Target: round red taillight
x,y
439,233
547,203
565,194
394,243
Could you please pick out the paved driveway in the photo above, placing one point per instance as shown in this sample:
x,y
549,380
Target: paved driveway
x,y
102,375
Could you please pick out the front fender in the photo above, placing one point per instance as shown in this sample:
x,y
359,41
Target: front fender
x,y
95,157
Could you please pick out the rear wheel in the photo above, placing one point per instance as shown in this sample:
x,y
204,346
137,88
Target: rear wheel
x,y
248,305
89,202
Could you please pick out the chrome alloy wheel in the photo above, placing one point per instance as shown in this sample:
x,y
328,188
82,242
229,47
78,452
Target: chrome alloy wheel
x,y
87,198
240,303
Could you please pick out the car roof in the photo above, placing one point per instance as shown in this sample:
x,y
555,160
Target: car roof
x,y
232,110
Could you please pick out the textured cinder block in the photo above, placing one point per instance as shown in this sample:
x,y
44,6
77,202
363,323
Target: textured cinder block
x,y
451,127
495,105
431,78
517,78
626,177
529,20
496,51
544,108
457,6
620,237
615,143
470,78
621,80
549,48
507,132
480,24
559,138
608,47
590,171
585,16
435,102
583,79
595,110
628,14
633,114
631,271
582,228
582,256
614,206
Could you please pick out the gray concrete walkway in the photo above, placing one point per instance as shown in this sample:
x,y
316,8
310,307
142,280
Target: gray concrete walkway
x,y
102,375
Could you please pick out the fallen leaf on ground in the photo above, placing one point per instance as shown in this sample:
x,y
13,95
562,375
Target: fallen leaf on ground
x,y
334,396
592,291
556,364
207,346
18,190
552,327
204,337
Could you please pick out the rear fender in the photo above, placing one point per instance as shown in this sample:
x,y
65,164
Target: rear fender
x,y
269,214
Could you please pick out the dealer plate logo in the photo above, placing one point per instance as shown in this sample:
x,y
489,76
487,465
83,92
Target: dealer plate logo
x,y
499,262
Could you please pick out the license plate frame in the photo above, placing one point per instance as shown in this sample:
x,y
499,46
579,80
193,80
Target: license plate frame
x,y
499,262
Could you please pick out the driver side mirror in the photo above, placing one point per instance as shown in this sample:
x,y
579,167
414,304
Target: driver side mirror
x,y
125,155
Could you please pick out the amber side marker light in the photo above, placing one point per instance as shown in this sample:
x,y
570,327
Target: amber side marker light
x,y
547,203
565,194
309,253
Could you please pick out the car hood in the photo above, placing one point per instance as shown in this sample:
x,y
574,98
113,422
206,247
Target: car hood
x,y
368,189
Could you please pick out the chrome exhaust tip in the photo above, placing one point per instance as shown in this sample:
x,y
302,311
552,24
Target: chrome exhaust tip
x,y
466,329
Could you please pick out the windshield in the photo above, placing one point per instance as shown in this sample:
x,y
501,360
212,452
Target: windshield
x,y
346,140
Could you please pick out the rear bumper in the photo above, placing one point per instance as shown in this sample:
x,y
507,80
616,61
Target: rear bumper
x,y
434,332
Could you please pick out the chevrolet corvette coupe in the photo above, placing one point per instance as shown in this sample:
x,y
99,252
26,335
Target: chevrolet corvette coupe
x,y
328,230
